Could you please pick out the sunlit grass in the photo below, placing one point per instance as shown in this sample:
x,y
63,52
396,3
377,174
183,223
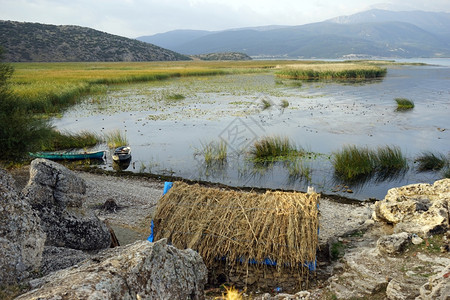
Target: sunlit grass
x,y
353,162
274,148
116,139
284,103
66,140
331,71
214,152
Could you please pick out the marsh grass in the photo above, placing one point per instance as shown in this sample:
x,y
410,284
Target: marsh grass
x,y
429,161
332,71
214,152
266,104
175,97
404,104
65,140
284,103
273,148
116,139
353,163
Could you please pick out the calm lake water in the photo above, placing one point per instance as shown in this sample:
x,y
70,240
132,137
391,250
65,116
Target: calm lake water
x,y
166,135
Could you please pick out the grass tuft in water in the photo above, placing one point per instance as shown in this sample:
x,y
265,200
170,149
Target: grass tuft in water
x,y
273,148
404,103
354,162
429,161
116,139
175,97
214,152
298,169
266,103
284,103
390,159
65,140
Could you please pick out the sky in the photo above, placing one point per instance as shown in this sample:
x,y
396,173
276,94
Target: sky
x,y
134,18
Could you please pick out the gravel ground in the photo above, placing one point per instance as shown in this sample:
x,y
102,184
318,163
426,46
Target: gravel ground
x,y
137,198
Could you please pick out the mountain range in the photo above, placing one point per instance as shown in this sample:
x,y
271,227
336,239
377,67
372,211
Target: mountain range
x,y
373,33
35,42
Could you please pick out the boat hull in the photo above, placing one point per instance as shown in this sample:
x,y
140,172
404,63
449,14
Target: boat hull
x,y
69,155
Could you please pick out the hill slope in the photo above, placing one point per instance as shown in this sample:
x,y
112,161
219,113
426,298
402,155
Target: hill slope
x,y
34,42
374,33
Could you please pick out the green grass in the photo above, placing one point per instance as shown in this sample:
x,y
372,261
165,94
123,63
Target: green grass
x,y
353,163
429,161
274,148
284,103
214,152
332,71
404,104
298,169
390,158
116,139
266,104
175,97
65,140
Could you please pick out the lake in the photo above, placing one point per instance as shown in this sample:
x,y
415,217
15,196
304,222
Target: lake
x,y
167,135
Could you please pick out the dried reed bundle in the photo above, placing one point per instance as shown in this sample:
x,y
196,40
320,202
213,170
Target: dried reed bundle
x,y
240,226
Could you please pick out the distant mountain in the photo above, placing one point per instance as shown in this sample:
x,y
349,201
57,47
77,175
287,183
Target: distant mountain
x,y
375,33
34,42
173,38
437,23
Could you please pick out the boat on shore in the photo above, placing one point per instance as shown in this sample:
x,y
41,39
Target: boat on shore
x,y
69,155
122,154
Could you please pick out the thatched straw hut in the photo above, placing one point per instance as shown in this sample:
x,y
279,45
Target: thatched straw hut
x,y
276,231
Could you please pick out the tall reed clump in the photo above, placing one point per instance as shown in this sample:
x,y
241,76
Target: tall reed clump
x,y
430,161
65,140
330,71
214,152
353,163
404,104
116,139
273,148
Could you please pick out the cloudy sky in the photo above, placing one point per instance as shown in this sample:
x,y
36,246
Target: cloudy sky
x,y
133,18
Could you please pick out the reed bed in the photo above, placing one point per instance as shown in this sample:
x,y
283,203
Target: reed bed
x,y
67,140
116,139
272,148
332,71
239,227
353,163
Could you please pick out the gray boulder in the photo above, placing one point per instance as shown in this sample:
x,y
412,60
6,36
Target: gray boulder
x,y
416,208
437,287
393,244
21,237
142,270
57,194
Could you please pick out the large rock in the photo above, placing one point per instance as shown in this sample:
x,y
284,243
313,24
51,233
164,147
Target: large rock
x,y
21,237
438,286
57,194
393,244
142,270
417,208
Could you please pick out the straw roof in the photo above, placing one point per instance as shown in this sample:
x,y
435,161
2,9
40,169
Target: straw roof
x,y
238,226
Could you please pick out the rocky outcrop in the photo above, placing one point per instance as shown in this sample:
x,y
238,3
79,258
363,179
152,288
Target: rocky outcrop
x,y
57,194
392,244
437,287
21,237
417,208
142,270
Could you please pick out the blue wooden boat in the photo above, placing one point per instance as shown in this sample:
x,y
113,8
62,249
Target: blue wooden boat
x,y
58,155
